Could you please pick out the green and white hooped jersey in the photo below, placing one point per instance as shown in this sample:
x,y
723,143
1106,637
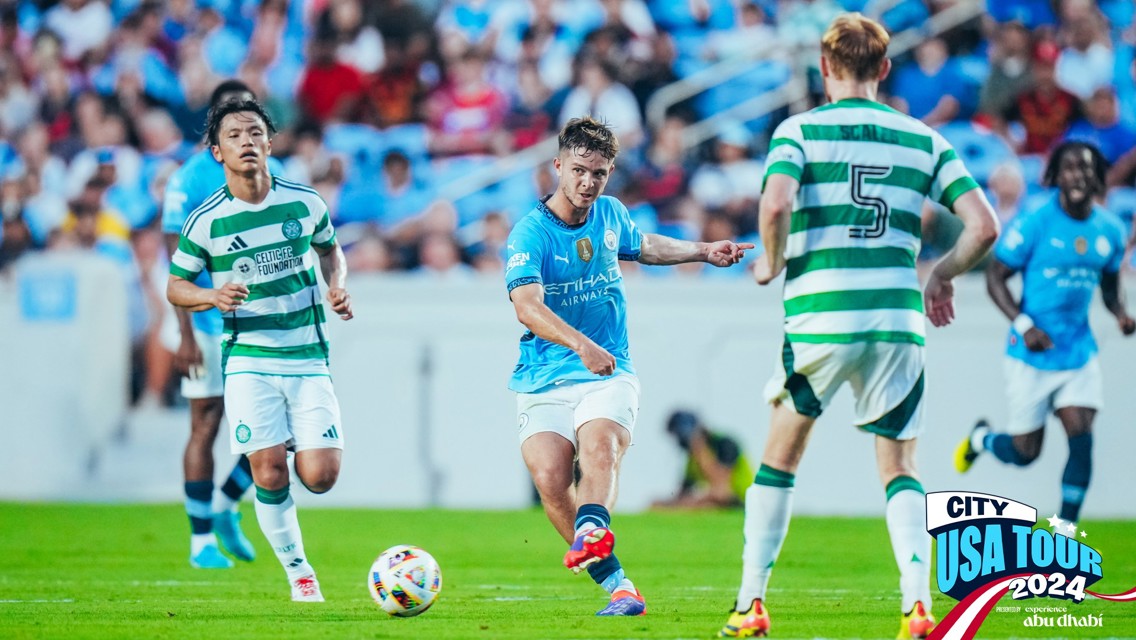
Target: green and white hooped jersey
x,y
281,328
864,171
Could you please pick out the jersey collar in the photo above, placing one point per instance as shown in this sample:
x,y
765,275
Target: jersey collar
x,y
540,204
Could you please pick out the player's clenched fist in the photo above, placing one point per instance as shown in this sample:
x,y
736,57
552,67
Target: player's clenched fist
x,y
340,303
597,359
229,296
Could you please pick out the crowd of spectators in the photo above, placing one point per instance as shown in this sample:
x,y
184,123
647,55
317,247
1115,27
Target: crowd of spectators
x,y
382,104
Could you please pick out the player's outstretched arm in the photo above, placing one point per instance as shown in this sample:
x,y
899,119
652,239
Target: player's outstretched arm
x,y
334,268
774,215
998,275
183,293
1113,296
980,231
664,250
528,302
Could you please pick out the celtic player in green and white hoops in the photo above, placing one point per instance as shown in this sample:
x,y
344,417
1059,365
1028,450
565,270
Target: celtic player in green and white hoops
x,y
839,214
255,237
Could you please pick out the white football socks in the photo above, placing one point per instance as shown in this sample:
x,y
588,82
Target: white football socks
x,y
906,519
282,528
767,513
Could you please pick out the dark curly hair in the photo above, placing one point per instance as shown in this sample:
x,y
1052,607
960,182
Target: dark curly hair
x,y
1100,163
218,112
589,135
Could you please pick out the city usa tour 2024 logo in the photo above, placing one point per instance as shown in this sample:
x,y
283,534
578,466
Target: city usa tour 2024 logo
x,y
987,546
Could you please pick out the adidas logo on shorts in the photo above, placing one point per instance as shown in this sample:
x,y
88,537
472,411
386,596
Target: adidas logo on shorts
x,y
331,434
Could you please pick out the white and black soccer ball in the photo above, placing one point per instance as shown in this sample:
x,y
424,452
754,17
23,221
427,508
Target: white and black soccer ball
x,y
404,580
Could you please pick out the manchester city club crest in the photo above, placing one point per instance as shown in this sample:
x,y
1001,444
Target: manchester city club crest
x,y
291,228
584,249
1081,245
609,239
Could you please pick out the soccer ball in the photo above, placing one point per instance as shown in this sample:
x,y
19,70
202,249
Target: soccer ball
x,y
404,580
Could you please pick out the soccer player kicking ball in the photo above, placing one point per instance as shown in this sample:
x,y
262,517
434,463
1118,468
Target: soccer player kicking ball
x,y
839,215
1064,250
254,238
577,393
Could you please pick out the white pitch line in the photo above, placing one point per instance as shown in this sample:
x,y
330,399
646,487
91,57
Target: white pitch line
x,y
64,600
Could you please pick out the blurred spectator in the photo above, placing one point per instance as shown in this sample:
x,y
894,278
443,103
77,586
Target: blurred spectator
x,y
527,120
394,95
1101,125
369,253
1086,62
1009,69
930,88
750,31
439,256
18,105
717,472
36,157
44,209
539,30
309,158
664,174
223,46
82,25
599,95
803,22
329,89
487,252
463,24
360,44
90,221
466,112
15,236
1006,187
1045,111
731,181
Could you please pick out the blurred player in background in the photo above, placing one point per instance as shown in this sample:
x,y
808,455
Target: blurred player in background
x,y
197,357
839,215
717,472
577,392
254,236
1063,250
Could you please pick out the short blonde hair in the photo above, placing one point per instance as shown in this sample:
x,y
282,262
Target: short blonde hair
x,y
855,44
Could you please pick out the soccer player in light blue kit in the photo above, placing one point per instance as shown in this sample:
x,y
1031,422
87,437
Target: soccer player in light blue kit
x,y
198,359
577,392
1063,250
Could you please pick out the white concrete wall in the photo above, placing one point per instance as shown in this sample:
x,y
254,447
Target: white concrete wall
x,y
64,370
421,374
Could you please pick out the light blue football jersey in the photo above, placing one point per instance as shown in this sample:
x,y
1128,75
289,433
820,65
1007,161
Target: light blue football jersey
x,y
187,189
578,266
1061,261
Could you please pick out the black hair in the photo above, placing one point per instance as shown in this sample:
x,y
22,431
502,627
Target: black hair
x,y
228,86
588,134
218,112
1100,163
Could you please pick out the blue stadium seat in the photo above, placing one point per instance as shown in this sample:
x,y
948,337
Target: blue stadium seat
x,y
979,149
362,145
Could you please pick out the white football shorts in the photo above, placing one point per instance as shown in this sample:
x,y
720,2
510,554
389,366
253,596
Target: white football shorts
x,y
565,408
266,410
1034,393
207,380
886,380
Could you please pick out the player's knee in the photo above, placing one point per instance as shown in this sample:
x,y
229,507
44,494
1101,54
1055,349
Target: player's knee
x,y
320,478
551,482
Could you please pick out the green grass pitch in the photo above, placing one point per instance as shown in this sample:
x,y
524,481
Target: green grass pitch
x,y
93,571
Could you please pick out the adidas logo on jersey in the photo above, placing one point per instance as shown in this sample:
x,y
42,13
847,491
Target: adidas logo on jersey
x,y
331,434
237,244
